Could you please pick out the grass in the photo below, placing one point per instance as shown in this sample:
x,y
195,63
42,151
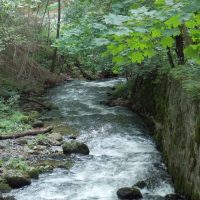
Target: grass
x,y
11,118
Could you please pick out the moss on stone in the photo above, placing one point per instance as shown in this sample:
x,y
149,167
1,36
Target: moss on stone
x,y
66,130
4,187
197,132
51,164
34,172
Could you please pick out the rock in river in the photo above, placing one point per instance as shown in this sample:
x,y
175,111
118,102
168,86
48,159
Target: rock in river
x,y
38,124
75,147
174,197
17,179
140,184
129,193
4,187
55,137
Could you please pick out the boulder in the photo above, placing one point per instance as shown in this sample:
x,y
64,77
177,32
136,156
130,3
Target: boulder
x,y
75,147
4,187
38,124
71,137
34,173
129,193
55,137
140,184
17,179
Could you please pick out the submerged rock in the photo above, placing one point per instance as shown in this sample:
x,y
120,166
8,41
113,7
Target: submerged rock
x,y
174,197
46,165
17,179
8,198
140,184
75,147
71,137
129,193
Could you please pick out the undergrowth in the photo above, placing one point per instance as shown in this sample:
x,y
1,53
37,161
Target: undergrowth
x,y
188,76
16,163
123,90
11,118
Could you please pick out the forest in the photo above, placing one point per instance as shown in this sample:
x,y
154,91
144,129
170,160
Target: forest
x,y
96,96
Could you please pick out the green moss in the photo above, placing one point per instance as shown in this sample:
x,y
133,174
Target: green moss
x,y
161,102
32,115
16,163
34,172
65,130
197,132
123,90
4,187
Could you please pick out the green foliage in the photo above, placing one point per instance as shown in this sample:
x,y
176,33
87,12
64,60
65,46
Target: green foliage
x,y
123,90
80,35
150,30
11,119
189,77
1,163
41,138
16,163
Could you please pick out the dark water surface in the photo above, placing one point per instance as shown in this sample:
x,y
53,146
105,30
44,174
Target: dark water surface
x,y
121,150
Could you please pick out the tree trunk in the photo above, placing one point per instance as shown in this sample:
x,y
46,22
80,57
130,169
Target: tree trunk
x,y
26,133
57,37
85,75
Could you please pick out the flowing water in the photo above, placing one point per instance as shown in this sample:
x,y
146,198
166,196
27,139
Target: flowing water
x,y
121,150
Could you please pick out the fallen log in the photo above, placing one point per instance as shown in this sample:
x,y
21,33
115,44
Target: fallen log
x,y
26,133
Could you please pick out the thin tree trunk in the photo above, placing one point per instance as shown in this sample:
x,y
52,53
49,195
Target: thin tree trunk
x,y
57,37
49,27
170,58
180,49
26,133
45,12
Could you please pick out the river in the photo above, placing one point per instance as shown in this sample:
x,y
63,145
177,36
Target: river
x,y
122,151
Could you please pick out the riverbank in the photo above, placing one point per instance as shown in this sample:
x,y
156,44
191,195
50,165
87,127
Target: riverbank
x,y
21,111
23,155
